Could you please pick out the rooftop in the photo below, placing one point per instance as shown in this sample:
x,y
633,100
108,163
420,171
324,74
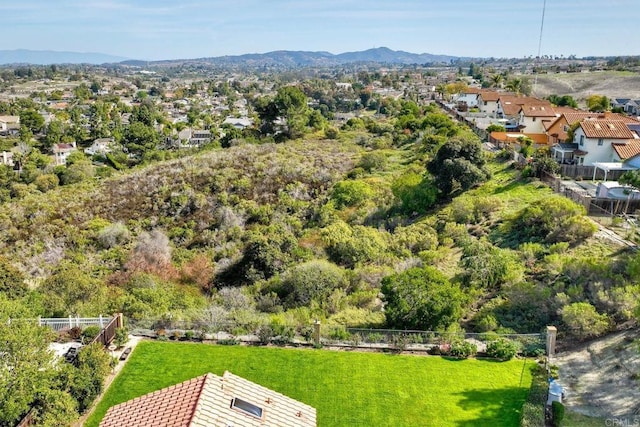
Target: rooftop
x,y
212,401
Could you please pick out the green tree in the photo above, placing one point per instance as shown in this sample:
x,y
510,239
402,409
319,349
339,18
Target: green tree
x,y
24,367
421,299
84,381
54,134
598,103
563,101
140,138
457,166
290,104
32,120
12,281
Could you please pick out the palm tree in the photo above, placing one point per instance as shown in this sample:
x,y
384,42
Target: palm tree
x,y
496,80
514,85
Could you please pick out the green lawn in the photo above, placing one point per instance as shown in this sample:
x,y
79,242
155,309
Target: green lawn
x,y
346,388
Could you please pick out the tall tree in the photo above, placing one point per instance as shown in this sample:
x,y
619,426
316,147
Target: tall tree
x,y
457,166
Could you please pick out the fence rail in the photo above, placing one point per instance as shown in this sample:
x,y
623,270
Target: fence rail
x,y
328,335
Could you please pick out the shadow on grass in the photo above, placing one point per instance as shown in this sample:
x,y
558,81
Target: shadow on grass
x,y
495,407
509,187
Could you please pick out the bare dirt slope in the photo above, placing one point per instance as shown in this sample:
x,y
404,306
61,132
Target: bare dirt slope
x,y
600,378
613,84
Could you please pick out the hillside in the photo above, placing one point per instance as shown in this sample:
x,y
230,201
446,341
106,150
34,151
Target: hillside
x,y
613,84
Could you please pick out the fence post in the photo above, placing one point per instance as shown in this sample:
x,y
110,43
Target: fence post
x,y
316,333
119,320
552,333
39,320
101,324
70,322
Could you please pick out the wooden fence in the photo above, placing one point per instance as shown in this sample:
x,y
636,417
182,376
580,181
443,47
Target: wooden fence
x,y
108,333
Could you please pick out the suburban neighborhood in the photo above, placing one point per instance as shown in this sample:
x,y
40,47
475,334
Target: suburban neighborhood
x,y
302,238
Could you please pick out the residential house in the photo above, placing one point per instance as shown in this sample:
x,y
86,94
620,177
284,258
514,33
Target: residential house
x,y
488,100
600,141
200,137
558,129
6,158
62,151
628,105
508,107
468,98
100,146
212,401
9,124
238,122
534,118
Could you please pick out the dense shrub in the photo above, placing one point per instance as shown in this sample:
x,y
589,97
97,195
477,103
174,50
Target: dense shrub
x,y
557,413
584,321
311,281
90,332
351,193
421,299
551,220
350,246
415,193
373,161
502,348
463,349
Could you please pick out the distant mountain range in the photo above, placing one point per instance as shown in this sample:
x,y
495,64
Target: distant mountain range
x,y
290,58
46,57
283,58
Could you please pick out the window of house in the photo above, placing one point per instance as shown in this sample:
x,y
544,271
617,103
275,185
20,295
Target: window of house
x,y
565,128
246,407
600,141
581,140
534,119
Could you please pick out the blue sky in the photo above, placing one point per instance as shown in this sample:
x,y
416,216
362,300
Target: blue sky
x,y
163,29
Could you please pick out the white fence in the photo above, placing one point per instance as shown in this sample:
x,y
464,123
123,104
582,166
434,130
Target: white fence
x,y
62,323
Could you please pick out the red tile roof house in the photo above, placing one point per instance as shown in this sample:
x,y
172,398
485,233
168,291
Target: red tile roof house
x,y
602,141
212,401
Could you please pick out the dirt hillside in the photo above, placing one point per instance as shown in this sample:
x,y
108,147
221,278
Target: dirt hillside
x,y
613,84
601,377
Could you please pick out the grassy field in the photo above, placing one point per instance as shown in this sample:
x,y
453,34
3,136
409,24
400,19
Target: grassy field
x,y
346,388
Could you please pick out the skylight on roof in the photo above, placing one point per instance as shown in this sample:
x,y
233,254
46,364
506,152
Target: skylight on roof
x,y
246,407
611,126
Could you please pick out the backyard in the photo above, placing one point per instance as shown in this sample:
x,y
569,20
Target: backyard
x,y
346,388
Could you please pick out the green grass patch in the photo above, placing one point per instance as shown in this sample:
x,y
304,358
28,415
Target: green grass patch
x,y
573,419
346,388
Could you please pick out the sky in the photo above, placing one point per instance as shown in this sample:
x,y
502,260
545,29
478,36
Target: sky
x,y
180,29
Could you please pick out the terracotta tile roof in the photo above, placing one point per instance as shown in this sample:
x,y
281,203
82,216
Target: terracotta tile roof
x,y
538,138
511,104
493,95
172,406
628,150
208,401
577,116
610,129
538,110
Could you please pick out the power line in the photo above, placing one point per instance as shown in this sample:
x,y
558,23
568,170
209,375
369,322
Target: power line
x,y
544,8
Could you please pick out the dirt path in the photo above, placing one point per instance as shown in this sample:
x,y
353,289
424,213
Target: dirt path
x,y
600,378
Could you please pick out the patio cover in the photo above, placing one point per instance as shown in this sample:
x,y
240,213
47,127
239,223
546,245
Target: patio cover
x,y
611,166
